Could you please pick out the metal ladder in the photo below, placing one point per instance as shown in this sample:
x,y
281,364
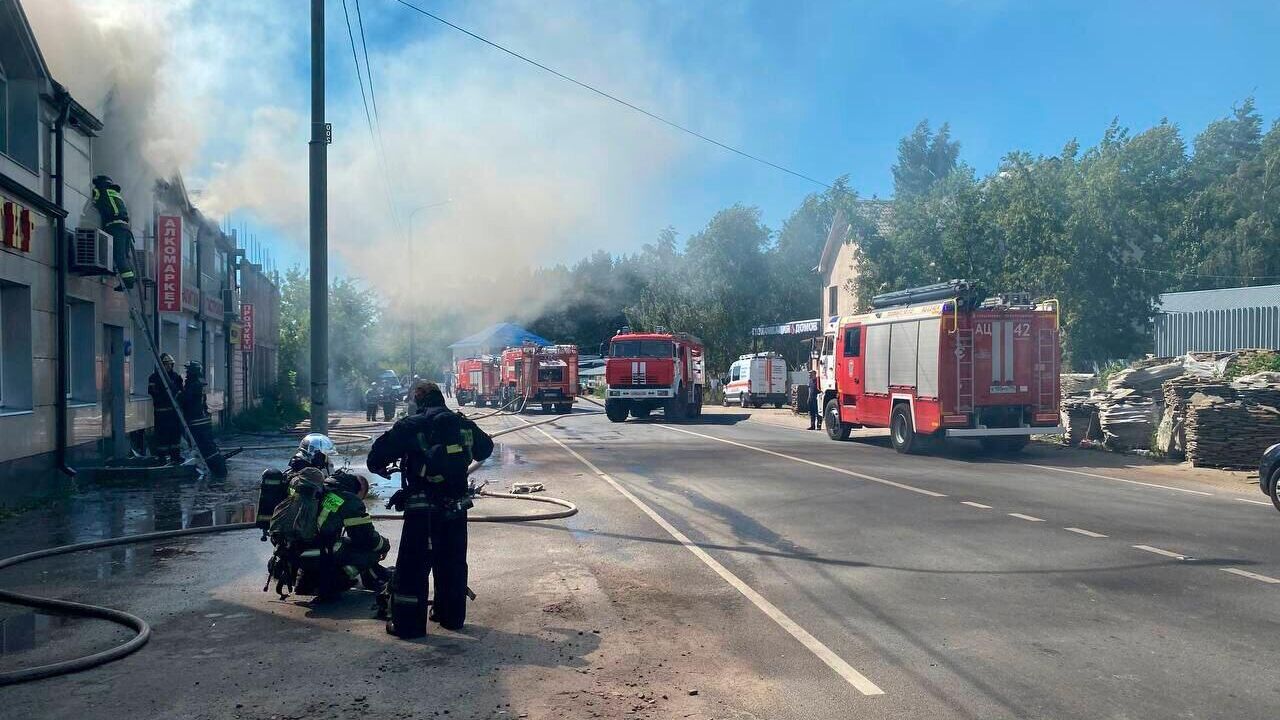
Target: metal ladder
x,y
964,370
1047,368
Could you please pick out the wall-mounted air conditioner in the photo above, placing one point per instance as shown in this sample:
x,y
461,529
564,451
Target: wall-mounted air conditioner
x,y
91,252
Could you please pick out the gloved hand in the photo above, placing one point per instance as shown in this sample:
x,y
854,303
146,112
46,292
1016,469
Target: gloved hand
x,y
397,500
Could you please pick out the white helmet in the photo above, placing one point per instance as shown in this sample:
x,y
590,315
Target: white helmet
x,y
318,450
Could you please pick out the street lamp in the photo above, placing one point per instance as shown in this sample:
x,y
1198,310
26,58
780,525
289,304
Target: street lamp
x,y
408,251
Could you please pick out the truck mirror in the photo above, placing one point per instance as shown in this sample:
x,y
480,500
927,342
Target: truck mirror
x,y
604,349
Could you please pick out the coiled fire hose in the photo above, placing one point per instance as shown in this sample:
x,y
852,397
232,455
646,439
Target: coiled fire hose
x,y
140,626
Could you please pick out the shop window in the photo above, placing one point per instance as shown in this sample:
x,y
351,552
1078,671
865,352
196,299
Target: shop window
x,y
15,347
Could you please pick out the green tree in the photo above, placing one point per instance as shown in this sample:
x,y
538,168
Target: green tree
x,y
924,158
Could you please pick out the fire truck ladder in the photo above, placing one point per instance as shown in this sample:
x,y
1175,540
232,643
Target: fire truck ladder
x,y
964,370
1047,363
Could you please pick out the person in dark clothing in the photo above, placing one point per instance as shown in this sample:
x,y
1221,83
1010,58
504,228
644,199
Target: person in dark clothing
x,y
815,414
390,396
433,448
195,409
371,398
168,433
114,216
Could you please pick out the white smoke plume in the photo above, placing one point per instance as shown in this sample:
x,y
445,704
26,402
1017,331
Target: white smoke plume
x,y
536,170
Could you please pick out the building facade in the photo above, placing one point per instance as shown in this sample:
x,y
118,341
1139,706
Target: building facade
x,y
74,356
838,265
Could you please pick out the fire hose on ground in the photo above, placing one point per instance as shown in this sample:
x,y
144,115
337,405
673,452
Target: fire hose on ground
x,y
142,629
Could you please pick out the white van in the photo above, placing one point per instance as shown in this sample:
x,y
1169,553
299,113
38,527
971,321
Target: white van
x,y
757,379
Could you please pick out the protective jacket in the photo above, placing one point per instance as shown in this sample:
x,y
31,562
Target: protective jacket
x,y
155,388
432,453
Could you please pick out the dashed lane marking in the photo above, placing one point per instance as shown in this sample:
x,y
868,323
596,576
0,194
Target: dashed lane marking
x,y
970,503
814,645
824,466
1158,551
1028,518
1086,533
1255,502
1111,477
1252,576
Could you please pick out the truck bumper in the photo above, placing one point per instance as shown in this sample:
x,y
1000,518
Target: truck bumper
x,y
639,394
999,432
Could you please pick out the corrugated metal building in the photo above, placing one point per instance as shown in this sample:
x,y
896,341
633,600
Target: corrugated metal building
x,y
1218,320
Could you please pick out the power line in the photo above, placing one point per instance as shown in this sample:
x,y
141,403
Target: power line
x,y
355,58
617,99
368,71
374,134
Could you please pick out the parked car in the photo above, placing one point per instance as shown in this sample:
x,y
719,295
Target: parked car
x,y
1269,474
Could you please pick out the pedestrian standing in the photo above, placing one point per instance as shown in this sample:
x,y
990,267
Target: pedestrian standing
x,y
815,418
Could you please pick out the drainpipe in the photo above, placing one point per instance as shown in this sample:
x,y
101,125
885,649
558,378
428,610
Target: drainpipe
x,y
60,262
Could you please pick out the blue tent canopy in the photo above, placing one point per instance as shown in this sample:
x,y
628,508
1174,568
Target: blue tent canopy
x,y
497,337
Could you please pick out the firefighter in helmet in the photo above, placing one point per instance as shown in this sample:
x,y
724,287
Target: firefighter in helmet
x,y
434,447
195,409
168,432
114,216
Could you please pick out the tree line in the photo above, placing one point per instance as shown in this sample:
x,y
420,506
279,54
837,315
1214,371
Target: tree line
x,y
1104,229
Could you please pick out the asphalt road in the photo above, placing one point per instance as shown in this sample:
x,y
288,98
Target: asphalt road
x,y
726,568
892,586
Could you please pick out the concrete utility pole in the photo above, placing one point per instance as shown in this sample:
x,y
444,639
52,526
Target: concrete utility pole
x,y
319,229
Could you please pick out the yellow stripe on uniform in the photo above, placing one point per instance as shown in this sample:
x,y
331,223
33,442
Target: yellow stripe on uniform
x,y
352,522
453,449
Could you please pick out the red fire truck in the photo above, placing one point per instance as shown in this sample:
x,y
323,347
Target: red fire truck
x,y
478,381
944,361
546,375
647,371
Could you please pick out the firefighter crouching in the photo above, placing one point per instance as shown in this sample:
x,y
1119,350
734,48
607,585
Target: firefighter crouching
x,y
324,538
168,433
114,216
316,450
434,447
195,409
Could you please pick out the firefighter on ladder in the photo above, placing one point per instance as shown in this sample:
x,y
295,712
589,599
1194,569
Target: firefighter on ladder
x,y
168,438
114,216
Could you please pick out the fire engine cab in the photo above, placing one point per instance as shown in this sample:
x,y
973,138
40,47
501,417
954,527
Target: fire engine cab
x,y
478,381
544,375
946,361
647,371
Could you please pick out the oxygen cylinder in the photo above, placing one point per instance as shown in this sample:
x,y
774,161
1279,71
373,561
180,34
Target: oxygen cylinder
x,y
273,490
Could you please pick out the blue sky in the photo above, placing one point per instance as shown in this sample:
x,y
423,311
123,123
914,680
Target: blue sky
x,y
540,171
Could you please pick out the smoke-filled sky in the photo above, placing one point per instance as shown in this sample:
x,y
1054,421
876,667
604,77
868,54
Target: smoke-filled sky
x,y
540,171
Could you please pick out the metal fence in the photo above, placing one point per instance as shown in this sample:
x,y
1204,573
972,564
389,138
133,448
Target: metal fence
x,y
1217,330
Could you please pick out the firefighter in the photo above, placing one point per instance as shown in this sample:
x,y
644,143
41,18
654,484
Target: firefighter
x,y
168,434
195,409
433,455
390,395
114,217
371,397
316,450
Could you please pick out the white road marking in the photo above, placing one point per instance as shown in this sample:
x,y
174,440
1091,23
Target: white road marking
x,y
1111,477
1030,518
1255,502
1086,533
1158,551
814,645
824,466
1252,576
970,503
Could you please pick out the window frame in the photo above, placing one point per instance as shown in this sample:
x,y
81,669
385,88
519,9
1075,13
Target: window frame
x,y
852,339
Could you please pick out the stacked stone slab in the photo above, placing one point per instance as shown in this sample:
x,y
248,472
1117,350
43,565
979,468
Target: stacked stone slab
x,y
1228,426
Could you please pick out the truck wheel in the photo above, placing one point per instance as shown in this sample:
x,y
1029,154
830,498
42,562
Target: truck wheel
x,y
724,399
546,408
836,428
696,410
902,431
1005,444
616,410
640,412
744,399
563,408
1275,489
